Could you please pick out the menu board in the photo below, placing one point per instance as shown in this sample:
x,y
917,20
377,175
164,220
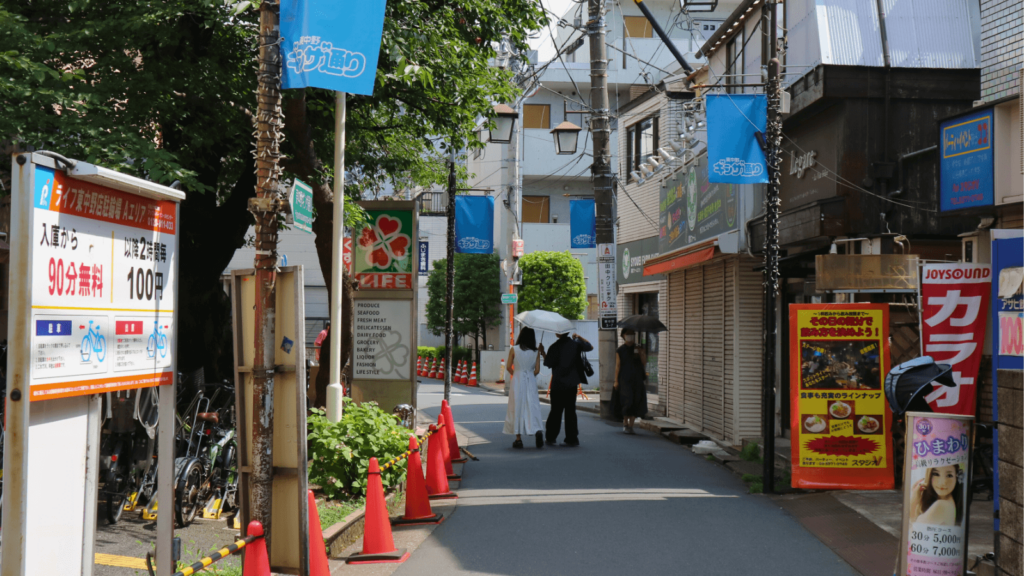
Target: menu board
x,y
839,355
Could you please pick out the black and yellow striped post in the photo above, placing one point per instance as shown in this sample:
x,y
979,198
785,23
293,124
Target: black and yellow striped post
x,y
218,555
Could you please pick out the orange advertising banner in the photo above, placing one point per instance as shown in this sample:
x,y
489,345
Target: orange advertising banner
x,y
841,424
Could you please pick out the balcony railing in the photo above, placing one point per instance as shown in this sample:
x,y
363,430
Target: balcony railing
x,y
433,203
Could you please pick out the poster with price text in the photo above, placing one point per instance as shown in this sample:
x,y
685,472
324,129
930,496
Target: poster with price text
x,y
102,271
839,355
937,472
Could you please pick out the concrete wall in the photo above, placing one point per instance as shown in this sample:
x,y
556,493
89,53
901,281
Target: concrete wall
x,y
1002,47
1011,473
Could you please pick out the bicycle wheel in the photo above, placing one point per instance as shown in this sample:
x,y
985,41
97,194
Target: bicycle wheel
x,y
163,346
151,346
187,495
86,348
101,348
117,499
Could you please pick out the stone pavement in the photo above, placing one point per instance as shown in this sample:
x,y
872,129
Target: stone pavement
x,y
617,505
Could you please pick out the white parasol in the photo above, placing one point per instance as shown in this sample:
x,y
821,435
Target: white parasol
x,y
546,321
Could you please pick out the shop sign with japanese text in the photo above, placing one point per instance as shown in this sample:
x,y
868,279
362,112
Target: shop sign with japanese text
x,y
301,200
966,162
840,420
692,209
606,288
383,257
935,494
954,305
102,275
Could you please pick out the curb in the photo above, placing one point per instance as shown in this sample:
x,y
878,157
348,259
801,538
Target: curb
x,y
340,536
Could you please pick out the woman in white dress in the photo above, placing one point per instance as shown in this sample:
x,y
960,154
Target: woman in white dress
x,y
523,415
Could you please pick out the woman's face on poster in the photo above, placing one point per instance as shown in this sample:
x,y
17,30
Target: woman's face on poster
x,y
944,480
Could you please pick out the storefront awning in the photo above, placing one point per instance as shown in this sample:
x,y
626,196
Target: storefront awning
x,y
672,262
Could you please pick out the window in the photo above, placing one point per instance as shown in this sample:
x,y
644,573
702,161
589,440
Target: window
x,y
734,63
537,116
641,143
637,27
536,209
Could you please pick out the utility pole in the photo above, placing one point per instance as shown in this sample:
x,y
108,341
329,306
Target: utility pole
x,y
601,171
771,246
264,207
449,290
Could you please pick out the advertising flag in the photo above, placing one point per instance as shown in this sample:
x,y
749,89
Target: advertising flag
x,y
582,223
332,45
954,301
734,154
474,224
840,420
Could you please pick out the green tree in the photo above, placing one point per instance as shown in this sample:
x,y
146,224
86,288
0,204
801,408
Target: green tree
x,y
477,295
553,281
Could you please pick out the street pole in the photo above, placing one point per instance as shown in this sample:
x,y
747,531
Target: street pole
x,y
771,248
601,170
335,392
449,291
264,207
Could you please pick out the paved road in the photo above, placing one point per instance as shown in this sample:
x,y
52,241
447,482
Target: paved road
x,y
616,505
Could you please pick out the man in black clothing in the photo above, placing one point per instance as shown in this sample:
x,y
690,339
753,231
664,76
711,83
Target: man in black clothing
x,y
566,374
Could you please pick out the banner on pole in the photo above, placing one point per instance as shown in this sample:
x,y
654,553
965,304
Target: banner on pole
x,y
839,354
935,494
329,45
474,224
734,155
424,259
954,302
582,223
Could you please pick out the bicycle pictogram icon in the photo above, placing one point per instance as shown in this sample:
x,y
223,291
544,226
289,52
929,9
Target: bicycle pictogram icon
x,y
157,341
93,341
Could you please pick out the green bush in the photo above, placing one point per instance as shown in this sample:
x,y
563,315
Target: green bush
x,y
553,281
340,452
426,351
458,353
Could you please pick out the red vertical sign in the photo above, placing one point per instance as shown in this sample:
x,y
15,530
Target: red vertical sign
x,y
346,256
954,305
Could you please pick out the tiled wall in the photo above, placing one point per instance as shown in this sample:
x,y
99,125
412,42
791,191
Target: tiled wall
x,y
1002,47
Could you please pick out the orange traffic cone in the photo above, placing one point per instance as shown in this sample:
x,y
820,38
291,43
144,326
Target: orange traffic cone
x,y
419,365
433,369
465,373
442,430
417,504
453,441
437,480
472,376
378,544
457,376
257,563
317,550
440,369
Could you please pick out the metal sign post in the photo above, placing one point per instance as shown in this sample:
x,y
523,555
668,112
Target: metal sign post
x,y
93,310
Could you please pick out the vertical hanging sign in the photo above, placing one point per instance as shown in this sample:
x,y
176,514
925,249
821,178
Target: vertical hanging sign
x,y
582,223
424,259
327,45
734,155
474,224
954,304
840,420
607,289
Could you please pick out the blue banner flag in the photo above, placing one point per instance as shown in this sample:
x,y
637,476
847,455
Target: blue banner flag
x,y
582,223
474,224
330,44
734,155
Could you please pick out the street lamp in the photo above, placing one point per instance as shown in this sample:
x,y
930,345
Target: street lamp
x,y
503,124
566,136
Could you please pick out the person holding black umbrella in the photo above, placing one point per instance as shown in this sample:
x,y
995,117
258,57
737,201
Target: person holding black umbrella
x,y
629,395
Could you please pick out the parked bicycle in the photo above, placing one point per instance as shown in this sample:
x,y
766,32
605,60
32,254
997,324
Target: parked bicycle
x,y
206,475
128,450
93,342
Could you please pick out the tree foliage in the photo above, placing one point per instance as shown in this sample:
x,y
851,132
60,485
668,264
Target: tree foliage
x,y
477,294
553,281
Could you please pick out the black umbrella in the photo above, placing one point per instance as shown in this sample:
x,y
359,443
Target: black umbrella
x,y
906,385
642,323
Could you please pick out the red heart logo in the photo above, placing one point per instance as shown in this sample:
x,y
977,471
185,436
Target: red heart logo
x,y
399,245
380,258
368,237
389,226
